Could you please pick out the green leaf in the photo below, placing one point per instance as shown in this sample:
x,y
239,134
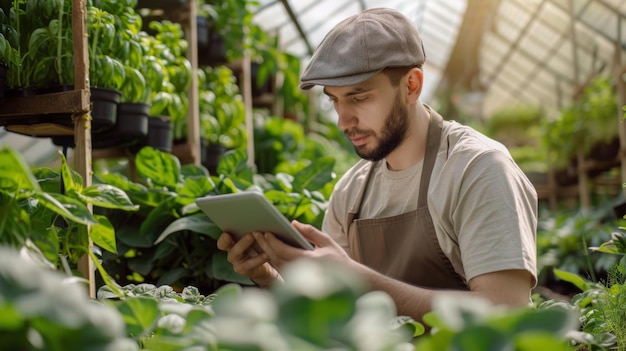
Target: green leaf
x,y
234,165
43,69
67,207
197,223
37,38
540,341
617,245
573,278
160,167
108,280
158,219
107,196
119,181
195,187
103,234
140,314
14,222
190,170
15,175
72,181
555,320
173,276
315,176
480,338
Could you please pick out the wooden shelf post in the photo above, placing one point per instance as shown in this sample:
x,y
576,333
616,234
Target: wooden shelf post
x,y
82,122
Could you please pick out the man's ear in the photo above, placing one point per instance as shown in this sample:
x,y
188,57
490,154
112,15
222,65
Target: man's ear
x,y
414,84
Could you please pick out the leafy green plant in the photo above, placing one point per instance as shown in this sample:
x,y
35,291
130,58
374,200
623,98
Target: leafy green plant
x,y
589,120
129,51
169,72
43,310
232,20
473,324
165,192
564,238
169,241
35,31
515,125
328,310
9,56
49,209
222,115
104,70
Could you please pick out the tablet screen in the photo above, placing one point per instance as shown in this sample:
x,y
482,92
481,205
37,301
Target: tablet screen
x,y
249,211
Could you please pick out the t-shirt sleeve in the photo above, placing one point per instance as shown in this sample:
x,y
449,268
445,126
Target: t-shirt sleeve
x,y
495,216
333,223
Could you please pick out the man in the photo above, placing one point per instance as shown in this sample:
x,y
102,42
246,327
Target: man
x,y
432,207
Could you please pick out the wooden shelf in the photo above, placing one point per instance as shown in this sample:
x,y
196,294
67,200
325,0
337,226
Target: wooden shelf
x,y
41,129
73,101
17,112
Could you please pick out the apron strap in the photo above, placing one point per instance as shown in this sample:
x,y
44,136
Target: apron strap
x,y
432,147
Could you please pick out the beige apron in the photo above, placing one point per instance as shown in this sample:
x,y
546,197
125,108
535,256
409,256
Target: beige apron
x,y
405,247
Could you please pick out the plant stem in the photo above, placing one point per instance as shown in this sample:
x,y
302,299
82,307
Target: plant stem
x,y
59,42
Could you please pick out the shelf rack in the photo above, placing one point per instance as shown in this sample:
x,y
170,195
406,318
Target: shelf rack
x,y
75,102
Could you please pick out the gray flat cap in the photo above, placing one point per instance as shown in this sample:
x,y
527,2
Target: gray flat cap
x,y
363,45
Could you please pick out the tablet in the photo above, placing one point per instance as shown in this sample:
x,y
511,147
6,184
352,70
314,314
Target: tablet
x,y
249,211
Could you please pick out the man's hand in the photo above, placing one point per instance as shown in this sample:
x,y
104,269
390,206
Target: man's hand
x,y
246,261
278,253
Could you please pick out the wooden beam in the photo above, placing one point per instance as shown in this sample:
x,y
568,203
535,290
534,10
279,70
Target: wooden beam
x,y
75,101
82,124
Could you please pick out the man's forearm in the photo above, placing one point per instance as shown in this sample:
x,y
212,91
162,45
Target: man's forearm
x,y
410,300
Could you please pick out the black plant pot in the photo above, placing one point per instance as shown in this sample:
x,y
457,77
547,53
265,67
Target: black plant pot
x,y
103,108
214,53
202,25
3,80
160,135
211,157
131,127
259,89
605,150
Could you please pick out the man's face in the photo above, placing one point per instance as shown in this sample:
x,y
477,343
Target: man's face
x,y
372,115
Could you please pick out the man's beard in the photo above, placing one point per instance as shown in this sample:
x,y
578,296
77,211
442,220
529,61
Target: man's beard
x,y
392,134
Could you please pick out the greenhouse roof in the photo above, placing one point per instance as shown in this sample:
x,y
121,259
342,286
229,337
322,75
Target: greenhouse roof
x,y
487,54
482,55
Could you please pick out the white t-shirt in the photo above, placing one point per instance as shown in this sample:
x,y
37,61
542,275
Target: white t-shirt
x,y
483,207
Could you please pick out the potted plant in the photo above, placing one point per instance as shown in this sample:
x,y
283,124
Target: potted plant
x,y
598,107
5,56
169,79
106,72
222,114
133,109
227,37
49,209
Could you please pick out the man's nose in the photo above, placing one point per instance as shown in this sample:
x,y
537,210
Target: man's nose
x,y
346,117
